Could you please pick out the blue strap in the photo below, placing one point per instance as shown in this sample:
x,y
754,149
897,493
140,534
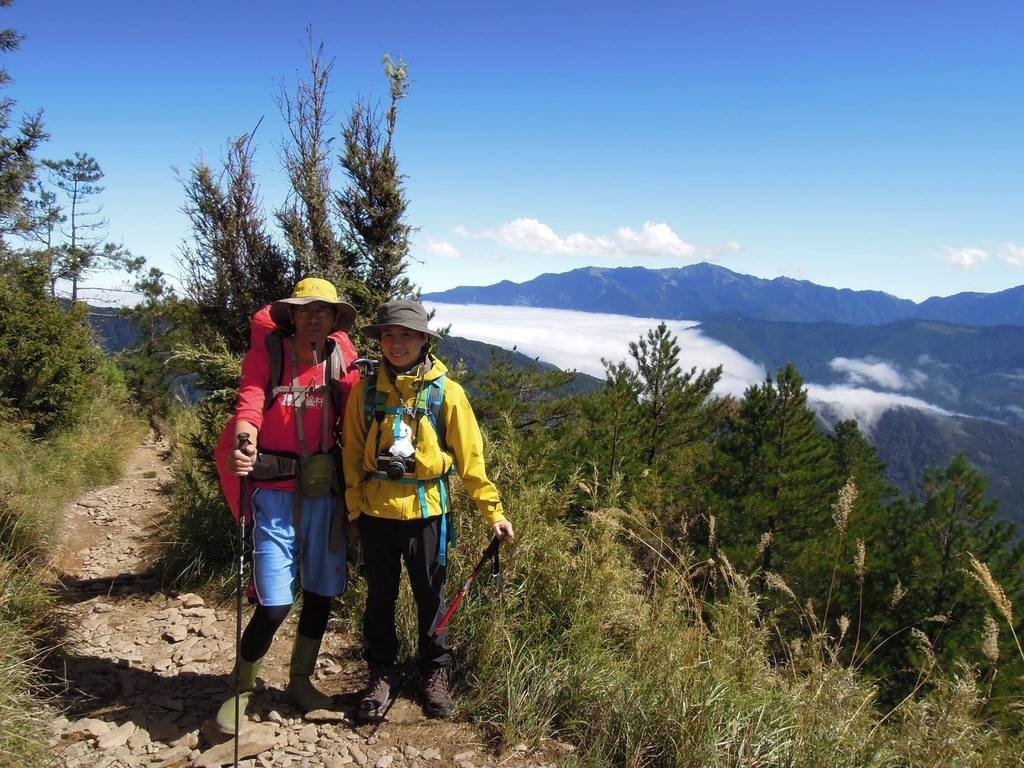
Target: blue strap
x,y
442,549
429,402
447,536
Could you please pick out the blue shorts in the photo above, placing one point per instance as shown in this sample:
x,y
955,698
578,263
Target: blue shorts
x,y
278,558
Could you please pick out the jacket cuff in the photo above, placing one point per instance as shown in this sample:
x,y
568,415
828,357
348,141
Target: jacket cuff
x,y
493,514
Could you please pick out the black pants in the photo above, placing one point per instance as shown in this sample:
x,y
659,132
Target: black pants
x,y
267,619
386,544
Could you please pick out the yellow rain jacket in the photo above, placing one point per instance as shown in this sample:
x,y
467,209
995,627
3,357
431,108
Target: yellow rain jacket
x,y
368,494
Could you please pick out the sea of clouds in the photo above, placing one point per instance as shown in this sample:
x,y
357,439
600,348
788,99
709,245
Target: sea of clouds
x,y
580,340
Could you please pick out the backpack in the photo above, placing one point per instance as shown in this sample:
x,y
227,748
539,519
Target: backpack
x,y
428,403
262,330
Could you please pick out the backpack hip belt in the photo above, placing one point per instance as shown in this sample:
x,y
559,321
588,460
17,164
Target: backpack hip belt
x,y
271,466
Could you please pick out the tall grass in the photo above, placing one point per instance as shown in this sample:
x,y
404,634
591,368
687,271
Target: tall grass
x,y
37,478
638,670
200,536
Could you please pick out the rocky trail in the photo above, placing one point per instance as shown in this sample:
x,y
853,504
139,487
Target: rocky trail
x,y
142,669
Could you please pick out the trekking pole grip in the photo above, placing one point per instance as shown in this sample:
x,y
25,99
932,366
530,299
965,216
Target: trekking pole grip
x,y
244,441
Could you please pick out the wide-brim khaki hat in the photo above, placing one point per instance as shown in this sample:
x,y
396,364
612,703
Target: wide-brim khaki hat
x,y
307,291
404,312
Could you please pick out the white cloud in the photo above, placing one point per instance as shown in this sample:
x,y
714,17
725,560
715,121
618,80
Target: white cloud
x,y
579,340
864,405
714,253
1012,254
442,248
654,240
965,258
870,370
535,236
530,235
1016,410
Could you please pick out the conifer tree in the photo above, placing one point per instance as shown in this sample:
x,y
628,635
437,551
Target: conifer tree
x,y
373,203
858,544
17,151
79,179
43,216
776,482
161,320
670,411
232,266
307,217
928,565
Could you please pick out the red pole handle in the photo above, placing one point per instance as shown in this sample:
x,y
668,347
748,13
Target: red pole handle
x,y
491,551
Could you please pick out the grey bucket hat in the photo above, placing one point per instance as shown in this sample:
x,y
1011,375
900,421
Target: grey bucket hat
x,y
403,312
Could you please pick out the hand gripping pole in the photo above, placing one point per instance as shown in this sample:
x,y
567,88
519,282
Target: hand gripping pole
x,y
243,510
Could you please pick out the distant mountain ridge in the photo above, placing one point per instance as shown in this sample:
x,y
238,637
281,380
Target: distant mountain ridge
x,y
707,291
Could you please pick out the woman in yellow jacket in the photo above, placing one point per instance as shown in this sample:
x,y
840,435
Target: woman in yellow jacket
x,y
395,470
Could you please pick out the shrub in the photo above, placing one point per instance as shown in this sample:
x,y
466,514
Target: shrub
x,y
51,363
201,535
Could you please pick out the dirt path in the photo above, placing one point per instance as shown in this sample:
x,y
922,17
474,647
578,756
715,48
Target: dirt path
x,y
145,668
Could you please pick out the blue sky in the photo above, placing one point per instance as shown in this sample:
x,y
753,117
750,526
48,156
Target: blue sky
x,y
863,145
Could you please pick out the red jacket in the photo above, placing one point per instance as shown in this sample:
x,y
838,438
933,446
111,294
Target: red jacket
x,y
276,425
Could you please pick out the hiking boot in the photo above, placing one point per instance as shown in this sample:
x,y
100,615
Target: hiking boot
x,y
435,689
247,671
383,688
300,685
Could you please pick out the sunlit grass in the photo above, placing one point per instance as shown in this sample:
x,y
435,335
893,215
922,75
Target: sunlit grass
x,y
37,479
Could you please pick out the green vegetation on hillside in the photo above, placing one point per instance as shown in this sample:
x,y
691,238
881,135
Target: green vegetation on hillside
x,y
64,427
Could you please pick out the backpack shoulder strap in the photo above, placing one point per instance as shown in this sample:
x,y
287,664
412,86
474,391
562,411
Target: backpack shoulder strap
x,y
375,404
335,372
335,369
435,399
274,342
369,400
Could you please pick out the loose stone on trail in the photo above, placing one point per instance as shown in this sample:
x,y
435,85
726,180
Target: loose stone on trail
x,y
142,670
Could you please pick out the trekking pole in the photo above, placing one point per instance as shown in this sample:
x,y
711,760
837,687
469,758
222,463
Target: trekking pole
x,y
243,509
490,552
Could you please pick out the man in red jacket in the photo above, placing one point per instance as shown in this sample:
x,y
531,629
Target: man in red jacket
x,y
293,425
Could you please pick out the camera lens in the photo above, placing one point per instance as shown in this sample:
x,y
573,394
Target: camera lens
x,y
395,470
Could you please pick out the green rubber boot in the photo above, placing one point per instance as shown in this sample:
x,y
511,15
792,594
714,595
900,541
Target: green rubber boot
x,y
247,671
300,688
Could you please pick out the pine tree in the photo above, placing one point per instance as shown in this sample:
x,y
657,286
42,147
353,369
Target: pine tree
x,y
79,179
373,203
927,562
233,267
776,482
17,152
44,216
307,217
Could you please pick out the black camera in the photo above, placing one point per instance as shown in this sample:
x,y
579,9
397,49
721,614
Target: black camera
x,y
395,466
